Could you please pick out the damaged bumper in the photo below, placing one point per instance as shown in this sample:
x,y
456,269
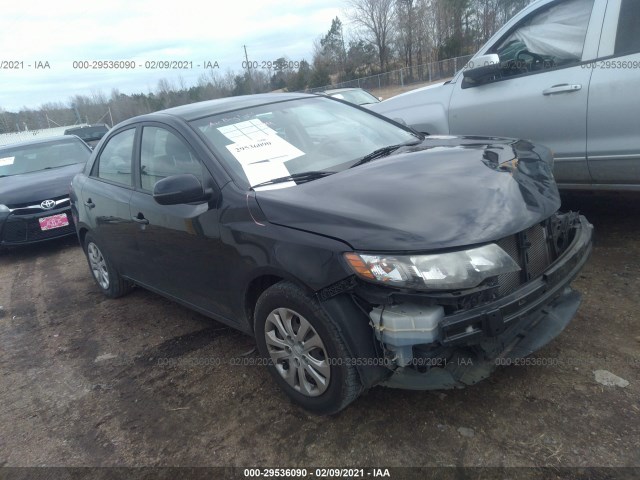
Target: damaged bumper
x,y
462,367
441,351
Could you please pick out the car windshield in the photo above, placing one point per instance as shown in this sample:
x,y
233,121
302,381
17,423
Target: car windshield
x,y
314,134
41,156
359,97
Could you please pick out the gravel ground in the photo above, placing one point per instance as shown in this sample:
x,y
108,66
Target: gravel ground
x,y
141,381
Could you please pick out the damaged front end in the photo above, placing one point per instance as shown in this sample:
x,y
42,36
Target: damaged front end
x,y
446,338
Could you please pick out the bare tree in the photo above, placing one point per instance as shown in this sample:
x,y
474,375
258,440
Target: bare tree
x,y
321,66
5,123
405,26
375,18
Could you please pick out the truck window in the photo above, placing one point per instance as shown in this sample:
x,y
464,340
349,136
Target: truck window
x,y
552,38
628,36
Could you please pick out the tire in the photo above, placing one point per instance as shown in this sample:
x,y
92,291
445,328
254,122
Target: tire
x,y
322,380
105,275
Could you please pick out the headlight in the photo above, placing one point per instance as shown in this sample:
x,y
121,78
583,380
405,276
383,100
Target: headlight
x,y
4,209
444,271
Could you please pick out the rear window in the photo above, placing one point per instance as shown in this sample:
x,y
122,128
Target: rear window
x,y
88,133
42,156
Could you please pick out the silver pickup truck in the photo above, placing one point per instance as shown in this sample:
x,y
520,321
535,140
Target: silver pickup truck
x,y
563,73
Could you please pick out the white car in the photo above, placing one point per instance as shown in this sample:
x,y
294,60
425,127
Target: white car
x,y
357,96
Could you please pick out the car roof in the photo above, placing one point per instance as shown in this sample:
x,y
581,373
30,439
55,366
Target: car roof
x,y
338,90
81,127
221,105
40,140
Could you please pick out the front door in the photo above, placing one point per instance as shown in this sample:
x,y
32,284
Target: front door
x,y
179,247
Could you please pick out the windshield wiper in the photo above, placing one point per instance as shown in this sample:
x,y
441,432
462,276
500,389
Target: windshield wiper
x,y
296,177
60,166
382,152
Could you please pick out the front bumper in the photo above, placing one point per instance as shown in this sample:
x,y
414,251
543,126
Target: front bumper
x,y
473,343
25,229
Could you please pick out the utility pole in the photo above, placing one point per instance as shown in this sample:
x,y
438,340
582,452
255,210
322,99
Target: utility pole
x,y
246,57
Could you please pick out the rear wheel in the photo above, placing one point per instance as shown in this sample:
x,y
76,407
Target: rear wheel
x,y
304,350
105,275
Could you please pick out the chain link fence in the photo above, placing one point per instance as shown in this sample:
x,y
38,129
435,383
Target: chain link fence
x,y
25,135
426,73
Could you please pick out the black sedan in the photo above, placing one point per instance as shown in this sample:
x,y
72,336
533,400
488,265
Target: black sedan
x,y
90,134
357,252
35,177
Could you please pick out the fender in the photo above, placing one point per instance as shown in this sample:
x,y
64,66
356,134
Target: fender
x,y
424,109
358,334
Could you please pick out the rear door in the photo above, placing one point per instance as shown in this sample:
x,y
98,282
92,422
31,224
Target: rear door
x,y
542,95
179,248
613,124
105,198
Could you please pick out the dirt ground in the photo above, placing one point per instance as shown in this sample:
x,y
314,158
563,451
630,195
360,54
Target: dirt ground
x,y
88,381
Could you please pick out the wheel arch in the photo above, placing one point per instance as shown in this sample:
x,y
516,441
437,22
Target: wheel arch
x,y
343,312
259,284
82,233
355,327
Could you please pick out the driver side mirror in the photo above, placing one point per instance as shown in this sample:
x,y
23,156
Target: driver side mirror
x,y
482,69
177,189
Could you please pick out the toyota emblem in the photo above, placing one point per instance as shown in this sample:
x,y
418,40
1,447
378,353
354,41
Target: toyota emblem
x,y
48,204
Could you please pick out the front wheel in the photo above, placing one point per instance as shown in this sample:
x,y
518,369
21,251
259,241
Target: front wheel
x,y
304,349
105,275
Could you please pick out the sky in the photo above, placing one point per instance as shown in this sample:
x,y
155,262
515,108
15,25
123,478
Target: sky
x,y
43,39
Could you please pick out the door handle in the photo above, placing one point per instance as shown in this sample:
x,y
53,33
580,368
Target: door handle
x,y
140,219
564,88
89,203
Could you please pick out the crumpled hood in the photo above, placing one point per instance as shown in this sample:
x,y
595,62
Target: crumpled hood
x,y
445,192
37,186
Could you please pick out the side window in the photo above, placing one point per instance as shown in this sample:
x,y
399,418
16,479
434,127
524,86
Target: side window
x,y
164,154
628,36
114,163
552,38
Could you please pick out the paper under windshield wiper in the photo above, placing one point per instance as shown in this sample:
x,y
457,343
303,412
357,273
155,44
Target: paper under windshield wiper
x,y
300,177
382,152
